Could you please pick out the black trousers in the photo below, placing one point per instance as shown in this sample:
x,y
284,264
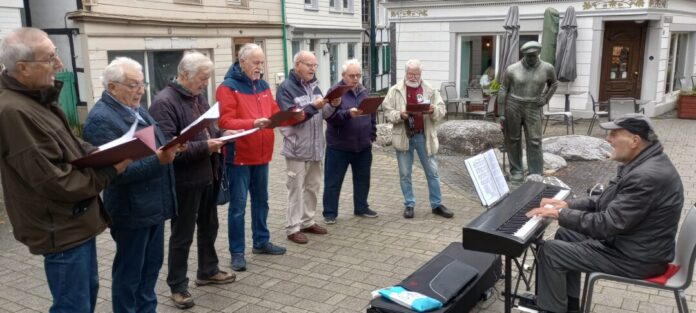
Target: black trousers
x,y
196,206
562,260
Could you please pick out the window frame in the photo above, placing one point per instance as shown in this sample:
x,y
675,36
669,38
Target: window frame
x,y
349,9
238,3
313,6
189,2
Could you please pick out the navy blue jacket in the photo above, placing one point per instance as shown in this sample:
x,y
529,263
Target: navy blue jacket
x,y
143,195
346,133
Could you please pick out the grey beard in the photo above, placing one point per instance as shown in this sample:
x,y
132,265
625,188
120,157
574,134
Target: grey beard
x,y
412,84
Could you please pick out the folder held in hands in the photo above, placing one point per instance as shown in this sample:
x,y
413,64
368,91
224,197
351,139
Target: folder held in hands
x,y
197,126
369,105
337,92
133,145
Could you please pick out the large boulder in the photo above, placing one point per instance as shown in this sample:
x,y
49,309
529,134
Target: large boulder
x,y
384,134
469,137
552,162
577,147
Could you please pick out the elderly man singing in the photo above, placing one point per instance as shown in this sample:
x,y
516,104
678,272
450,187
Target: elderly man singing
x,y
416,132
197,174
53,206
140,199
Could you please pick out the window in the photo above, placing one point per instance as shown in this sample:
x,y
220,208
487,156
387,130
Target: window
x,y
386,59
238,3
347,6
188,1
311,4
351,51
676,63
334,5
159,67
295,48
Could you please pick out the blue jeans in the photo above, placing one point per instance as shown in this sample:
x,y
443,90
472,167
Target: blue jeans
x,y
139,256
405,161
251,179
73,278
335,168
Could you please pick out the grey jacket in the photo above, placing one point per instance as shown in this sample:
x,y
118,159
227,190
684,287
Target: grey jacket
x,y
638,212
304,140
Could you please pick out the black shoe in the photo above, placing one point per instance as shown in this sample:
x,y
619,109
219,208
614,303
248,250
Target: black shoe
x,y
408,212
443,211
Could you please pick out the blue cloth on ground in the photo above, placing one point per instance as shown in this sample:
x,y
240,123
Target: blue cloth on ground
x,y
410,299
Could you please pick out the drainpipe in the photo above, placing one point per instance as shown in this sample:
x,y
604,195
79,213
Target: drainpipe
x,y
374,59
285,39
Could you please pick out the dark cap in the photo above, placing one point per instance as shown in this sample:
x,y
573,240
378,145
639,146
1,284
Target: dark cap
x,y
530,46
635,123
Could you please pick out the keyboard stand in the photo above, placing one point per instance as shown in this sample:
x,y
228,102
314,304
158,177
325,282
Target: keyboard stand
x,y
509,295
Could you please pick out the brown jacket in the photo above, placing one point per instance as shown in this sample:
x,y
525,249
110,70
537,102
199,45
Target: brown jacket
x,y
52,205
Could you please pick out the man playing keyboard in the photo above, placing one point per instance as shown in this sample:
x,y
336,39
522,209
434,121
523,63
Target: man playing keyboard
x,y
628,230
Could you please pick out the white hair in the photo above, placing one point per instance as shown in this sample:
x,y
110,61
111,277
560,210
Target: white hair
x,y
114,72
247,49
414,64
20,44
300,54
192,63
351,62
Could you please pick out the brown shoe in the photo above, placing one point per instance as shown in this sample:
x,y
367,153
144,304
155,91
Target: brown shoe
x,y
182,300
220,278
298,237
315,229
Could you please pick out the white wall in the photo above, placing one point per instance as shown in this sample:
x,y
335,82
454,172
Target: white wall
x,y
10,17
428,42
298,16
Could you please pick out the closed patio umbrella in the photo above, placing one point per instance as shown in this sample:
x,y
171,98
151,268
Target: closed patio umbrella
x,y
566,66
510,48
549,36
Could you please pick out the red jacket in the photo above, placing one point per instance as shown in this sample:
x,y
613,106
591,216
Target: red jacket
x,y
241,103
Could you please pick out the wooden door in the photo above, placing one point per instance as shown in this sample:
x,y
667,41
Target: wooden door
x,y
622,60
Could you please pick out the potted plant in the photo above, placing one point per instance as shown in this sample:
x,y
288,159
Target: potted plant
x,y
686,104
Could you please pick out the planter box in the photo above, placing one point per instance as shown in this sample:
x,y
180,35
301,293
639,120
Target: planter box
x,y
686,106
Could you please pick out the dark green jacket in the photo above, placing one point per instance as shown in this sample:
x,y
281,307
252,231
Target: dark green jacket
x,y
52,205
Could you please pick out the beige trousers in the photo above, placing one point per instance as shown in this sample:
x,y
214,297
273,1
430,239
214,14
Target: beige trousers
x,y
303,182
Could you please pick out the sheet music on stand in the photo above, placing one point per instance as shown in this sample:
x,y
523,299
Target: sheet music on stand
x,y
488,177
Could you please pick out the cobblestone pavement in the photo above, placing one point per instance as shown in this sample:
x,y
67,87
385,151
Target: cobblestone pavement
x,y
336,272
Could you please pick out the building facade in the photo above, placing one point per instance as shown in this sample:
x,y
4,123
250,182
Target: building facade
x,y
91,33
332,29
378,69
10,16
633,48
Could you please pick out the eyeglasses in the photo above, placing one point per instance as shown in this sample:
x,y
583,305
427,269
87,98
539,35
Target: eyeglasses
x,y
354,76
52,59
310,65
134,86
414,75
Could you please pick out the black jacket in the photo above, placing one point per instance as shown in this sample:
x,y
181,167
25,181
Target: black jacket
x,y
173,109
638,212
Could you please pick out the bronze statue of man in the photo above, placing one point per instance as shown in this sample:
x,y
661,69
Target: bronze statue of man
x,y
527,86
